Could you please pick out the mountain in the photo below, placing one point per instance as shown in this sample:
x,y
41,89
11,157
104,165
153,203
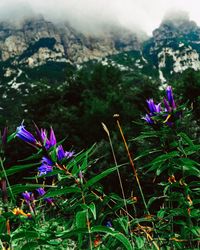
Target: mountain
x,y
36,41
174,47
37,56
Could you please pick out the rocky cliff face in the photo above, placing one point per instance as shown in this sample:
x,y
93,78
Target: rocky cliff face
x,y
35,41
175,46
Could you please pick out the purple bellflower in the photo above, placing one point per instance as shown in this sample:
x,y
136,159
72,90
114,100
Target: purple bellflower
x,y
42,192
167,106
148,119
46,167
151,105
25,135
4,136
28,197
167,114
48,143
109,223
61,154
154,108
170,97
69,154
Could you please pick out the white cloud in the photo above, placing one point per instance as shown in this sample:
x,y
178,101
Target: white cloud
x,y
93,14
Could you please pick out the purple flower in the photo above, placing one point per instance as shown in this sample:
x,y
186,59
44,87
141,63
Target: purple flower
x,y
42,192
170,97
46,167
28,197
148,119
69,154
48,143
158,108
44,138
52,138
151,105
109,223
61,154
167,107
4,136
25,135
154,108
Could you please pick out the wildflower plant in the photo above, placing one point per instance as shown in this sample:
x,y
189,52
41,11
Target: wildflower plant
x,y
63,204
172,162
61,196
162,113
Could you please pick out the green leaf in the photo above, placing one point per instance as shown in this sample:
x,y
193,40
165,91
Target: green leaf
x,y
186,139
2,225
146,153
70,233
161,169
152,199
81,219
76,169
139,242
92,208
161,213
25,235
192,149
100,176
18,168
11,137
145,135
66,190
164,157
117,235
191,169
157,163
35,156
123,223
30,246
19,188
53,154
195,230
78,160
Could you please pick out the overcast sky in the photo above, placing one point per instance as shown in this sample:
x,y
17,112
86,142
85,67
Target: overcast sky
x,y
91,14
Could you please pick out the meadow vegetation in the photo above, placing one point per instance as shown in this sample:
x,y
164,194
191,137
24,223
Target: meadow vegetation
x,y
104,164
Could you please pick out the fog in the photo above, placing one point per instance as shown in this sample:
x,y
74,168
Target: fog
x,y
94,15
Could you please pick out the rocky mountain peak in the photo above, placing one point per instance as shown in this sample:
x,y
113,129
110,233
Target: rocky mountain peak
x,y
175,45
35,40
176,25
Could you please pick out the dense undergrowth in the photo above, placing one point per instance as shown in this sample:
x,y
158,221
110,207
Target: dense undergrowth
x,y
62,200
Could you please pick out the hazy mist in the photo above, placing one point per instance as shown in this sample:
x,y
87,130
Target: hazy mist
x,y
95,15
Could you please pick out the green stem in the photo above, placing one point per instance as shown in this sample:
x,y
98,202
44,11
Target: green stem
x,y
133,166
87,213
4,172
120,180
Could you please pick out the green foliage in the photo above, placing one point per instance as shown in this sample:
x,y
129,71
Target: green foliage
x,y
176,164
85,191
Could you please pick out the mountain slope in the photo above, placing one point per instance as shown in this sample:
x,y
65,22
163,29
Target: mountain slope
x,y
36,41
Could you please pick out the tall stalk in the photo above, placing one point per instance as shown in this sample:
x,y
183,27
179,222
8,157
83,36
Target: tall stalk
x,y
120,179
132,163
